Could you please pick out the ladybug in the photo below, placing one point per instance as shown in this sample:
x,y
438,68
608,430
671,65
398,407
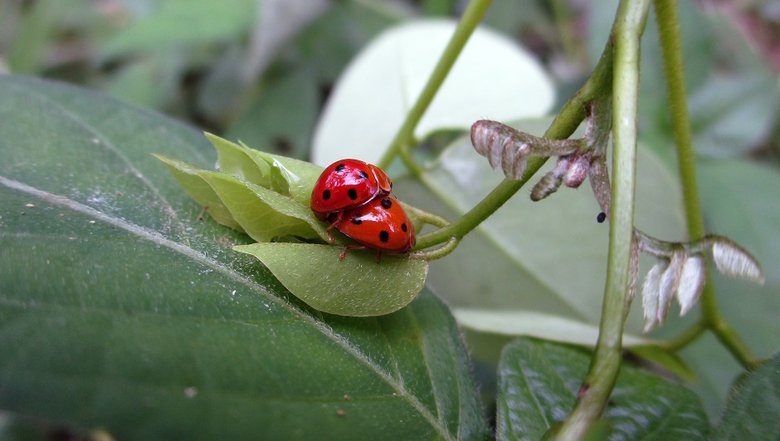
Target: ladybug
x,y
347,184
381,224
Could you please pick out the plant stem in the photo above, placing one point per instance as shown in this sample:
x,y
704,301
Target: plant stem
x,y
686,337
605,364
468,22
668,29
564,124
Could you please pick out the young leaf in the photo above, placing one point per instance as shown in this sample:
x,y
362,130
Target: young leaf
x,y
235,160
119,310
263,213
357,286
200,191
753,405
538,384
288,176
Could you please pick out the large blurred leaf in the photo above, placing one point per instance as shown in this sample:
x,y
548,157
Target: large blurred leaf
x,y
547,257
492,78
739,199
730,115
538,385
181,22
119,309
754,404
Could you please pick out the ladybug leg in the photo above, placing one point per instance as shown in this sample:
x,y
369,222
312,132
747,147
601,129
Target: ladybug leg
x,y
349,247
378,257
333,219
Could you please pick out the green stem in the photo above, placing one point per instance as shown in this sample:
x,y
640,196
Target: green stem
x,y
605,364
686,338
468,22
668,29
565,123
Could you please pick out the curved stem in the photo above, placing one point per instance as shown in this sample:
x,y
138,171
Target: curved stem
x,y
686,338
668,29
468,22
605,364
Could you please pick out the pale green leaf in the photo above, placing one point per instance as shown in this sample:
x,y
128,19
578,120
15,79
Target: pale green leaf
x,y
546,257
519,323
493,78
263,213
200,191
358,285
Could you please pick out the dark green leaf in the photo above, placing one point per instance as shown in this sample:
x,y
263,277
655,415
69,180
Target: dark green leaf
x,y
753,405
538,384
357,286
118,309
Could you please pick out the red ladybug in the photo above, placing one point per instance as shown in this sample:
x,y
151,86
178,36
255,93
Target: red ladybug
x,y
381,224
347,184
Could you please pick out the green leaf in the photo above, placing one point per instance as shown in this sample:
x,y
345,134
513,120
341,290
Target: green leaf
x,y
119,310
288,176
263,213
535,324
235,160
281,118
731,115
738,199
182,22
385,79
357,286
547,257
753,405
538,385
200,191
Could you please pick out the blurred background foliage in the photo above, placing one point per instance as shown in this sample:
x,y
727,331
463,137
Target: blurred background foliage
x,y
261,70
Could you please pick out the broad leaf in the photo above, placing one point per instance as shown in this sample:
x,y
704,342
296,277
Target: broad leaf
x,y
753,405
538,385
545,257
739,201
120,310
357,286
381,84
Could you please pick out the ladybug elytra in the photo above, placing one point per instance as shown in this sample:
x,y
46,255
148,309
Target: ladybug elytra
x,y
381,224
347,184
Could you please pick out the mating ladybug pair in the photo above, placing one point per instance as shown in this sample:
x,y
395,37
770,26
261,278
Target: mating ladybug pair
x,y
355,198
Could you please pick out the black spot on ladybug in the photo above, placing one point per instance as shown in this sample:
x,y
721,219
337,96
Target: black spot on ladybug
x,y
326,194
386,203
384,236
356,220
339,168
404,228
352,193
363,174
601,217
